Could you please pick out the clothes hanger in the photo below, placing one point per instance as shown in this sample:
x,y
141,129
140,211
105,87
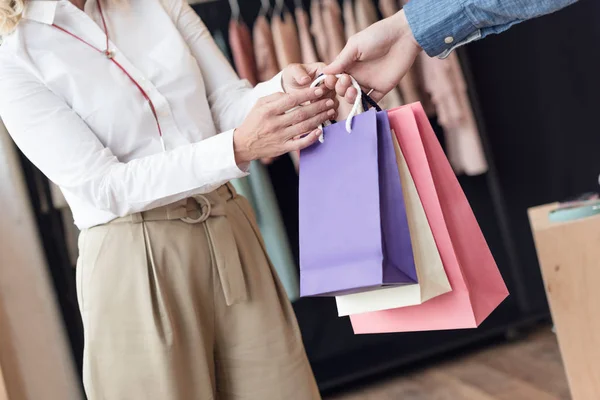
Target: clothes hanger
x,y
280,7
235,10
265,8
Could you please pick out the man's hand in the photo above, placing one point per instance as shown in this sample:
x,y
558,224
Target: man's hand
x,y
299,76
379,56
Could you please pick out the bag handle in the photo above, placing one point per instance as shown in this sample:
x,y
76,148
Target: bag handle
x,y
362,103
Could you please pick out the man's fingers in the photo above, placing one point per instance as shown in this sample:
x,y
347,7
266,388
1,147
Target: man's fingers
x,y
344,60
351,95
343,85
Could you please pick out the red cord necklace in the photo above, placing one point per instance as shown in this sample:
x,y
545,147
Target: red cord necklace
x,y
110,56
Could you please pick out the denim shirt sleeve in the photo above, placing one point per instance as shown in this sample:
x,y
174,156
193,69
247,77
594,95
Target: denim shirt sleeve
x,y
440,26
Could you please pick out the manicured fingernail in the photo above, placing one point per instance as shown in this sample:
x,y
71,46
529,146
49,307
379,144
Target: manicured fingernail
x,y
317,132
331,112
319,92
329,103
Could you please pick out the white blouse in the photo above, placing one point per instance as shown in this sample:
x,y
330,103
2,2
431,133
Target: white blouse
x,y
85,124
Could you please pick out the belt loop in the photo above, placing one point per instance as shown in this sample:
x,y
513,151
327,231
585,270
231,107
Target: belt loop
x,y
137,218
232,190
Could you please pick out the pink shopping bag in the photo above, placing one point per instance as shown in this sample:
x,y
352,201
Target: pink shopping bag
x,y
477,286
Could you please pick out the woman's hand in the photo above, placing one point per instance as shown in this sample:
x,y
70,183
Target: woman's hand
x,y
280,123
300,76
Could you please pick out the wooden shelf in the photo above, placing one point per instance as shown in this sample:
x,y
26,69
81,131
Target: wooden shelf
x,y
569,255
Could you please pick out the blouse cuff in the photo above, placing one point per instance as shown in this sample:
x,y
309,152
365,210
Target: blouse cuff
x,y
224,154
274,85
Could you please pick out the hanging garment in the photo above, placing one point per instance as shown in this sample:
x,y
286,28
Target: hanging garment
x,y
334,28
307,47
366,15
264,50
257,188
285,38
240,42
445,82
349,19
318,31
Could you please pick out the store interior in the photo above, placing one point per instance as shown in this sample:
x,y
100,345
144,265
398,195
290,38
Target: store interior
x,y
533,93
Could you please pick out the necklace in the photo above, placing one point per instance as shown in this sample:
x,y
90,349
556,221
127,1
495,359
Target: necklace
x,y
110,55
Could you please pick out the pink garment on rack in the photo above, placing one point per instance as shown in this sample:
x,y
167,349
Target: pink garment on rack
x,y
309,53
240,42
264,50
334,27
317,29
349,19
285,38
444,80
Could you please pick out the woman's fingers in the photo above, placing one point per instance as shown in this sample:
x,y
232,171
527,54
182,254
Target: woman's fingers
x,y
301,114
310,124
287,102
304,141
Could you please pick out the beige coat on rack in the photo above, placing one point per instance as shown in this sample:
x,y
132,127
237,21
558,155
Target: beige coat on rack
x,y
366,15
285,38
317,29
334,27
445,82
264,50
349,19
309,53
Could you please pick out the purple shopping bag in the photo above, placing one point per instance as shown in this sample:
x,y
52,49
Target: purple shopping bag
x,y
354,232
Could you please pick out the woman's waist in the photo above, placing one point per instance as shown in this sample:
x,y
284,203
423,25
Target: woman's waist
x,y
190,208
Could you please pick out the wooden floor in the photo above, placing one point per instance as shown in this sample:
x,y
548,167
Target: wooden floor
x,y
529,369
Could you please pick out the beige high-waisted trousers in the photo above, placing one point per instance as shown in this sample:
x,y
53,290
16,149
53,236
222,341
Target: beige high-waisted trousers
x,y
182,303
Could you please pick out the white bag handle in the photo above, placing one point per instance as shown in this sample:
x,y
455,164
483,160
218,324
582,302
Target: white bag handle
x,y
356,109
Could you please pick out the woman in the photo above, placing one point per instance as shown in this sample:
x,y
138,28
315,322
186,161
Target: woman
x,y
120,105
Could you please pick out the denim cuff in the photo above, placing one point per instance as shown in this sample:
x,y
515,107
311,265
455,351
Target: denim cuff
x,y
439,26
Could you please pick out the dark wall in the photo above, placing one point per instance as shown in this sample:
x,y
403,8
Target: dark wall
x,y
539,87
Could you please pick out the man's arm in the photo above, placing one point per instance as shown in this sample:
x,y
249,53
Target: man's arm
x,y
439,26
380,56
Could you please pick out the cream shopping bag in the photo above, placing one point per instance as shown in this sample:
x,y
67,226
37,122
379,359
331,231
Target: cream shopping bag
x,y
431,275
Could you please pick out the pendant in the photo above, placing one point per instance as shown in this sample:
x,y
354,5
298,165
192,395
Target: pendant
x,y
110,54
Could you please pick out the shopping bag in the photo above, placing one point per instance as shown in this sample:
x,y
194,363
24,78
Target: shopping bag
x,y
477,286
354,233
432,279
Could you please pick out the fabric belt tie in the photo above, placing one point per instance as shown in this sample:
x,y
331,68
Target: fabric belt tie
x,y
208,209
